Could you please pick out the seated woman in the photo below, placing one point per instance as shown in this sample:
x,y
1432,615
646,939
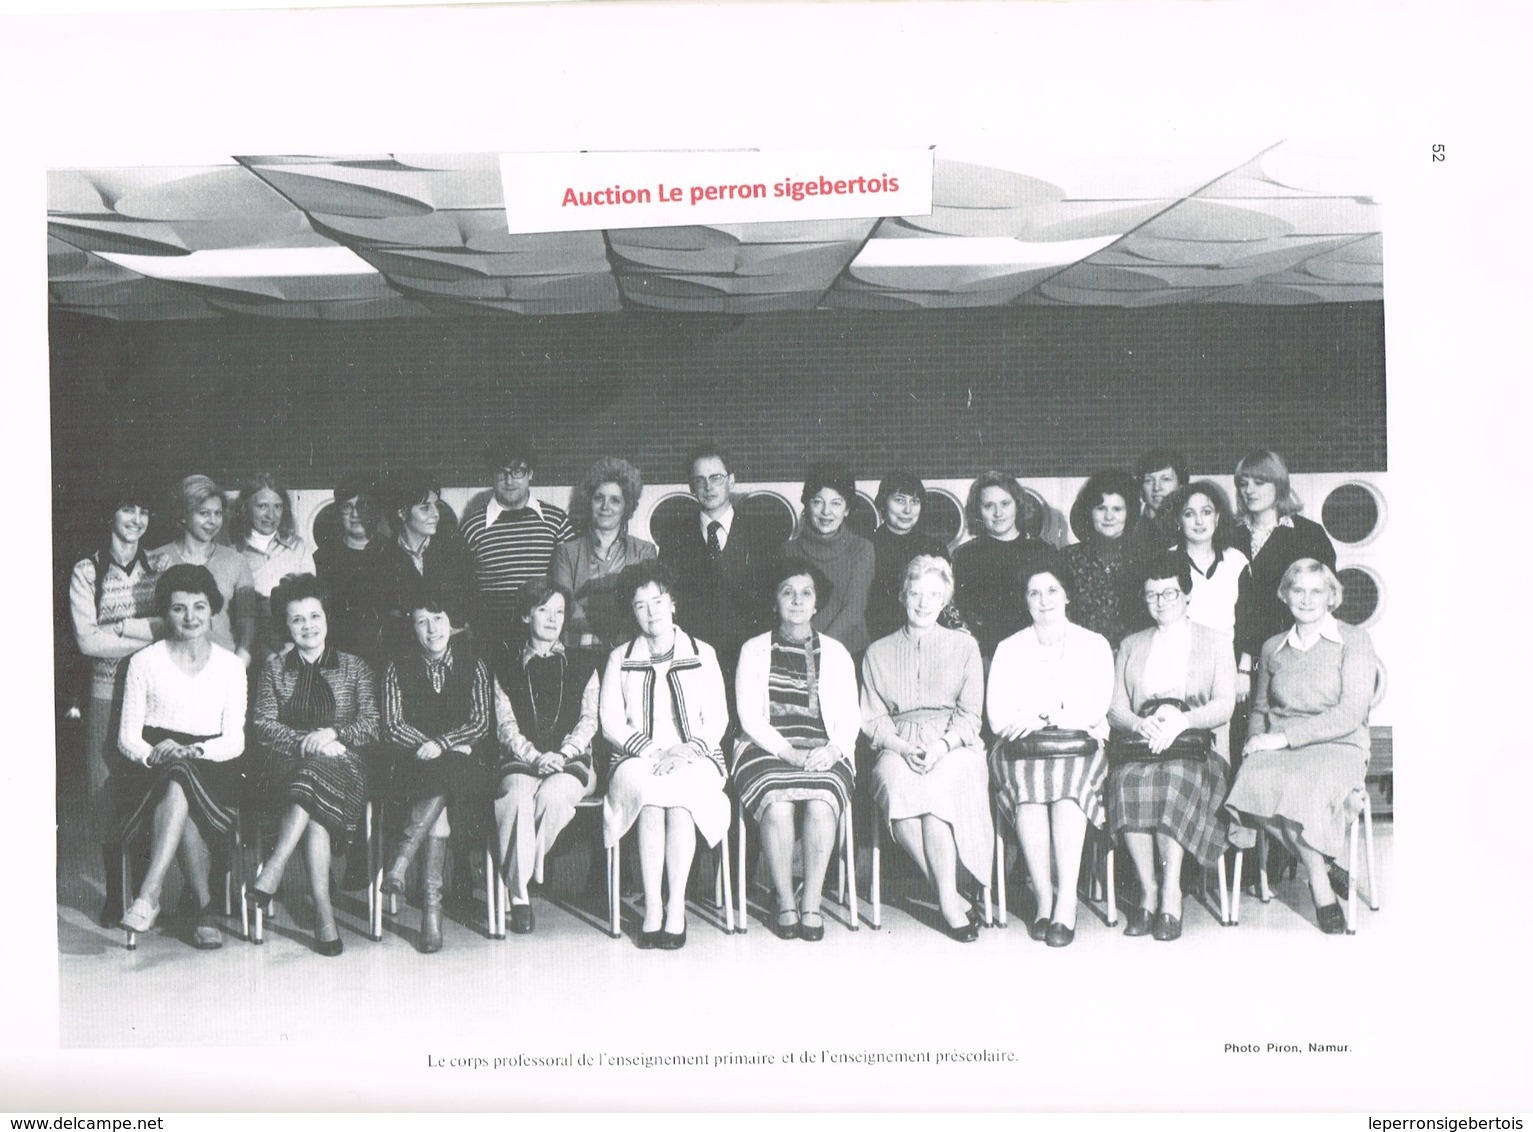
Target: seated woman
x,y
1169,808
923,689
1051,674
111,603
316,710
436,707
1100,570
588,565
265,531
425,550
843,557
199,509
348,565
901,503
664,711
183,730
987,569
796,692
546,702
1219,573
1302,775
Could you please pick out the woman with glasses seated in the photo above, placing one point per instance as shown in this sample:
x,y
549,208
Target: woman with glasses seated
x,y
182,731
1168,808
664,711
1302,776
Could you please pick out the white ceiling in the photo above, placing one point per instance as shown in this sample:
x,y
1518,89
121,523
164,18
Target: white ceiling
x,y
404,235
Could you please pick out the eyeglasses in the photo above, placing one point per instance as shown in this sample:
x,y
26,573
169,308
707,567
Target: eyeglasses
x,y
1161,597
514,472
718,479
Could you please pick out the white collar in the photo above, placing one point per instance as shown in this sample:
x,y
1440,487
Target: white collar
x,y
493,509
726,520
258,541
1329,631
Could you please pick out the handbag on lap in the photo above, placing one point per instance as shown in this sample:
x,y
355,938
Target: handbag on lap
x,y
1050,743
1193,743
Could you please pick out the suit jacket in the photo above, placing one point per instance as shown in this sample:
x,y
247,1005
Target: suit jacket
x,y
722,602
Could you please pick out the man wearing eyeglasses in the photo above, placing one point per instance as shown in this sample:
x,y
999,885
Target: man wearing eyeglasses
x,y
513,538
717,561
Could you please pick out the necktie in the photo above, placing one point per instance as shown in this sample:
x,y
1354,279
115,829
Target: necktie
x,y
715,542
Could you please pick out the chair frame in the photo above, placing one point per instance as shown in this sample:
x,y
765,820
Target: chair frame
x,y
1364,818
846,892
875,887
1108,891
371,845
236,851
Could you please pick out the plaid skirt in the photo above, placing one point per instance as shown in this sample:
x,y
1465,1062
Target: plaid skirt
x,y
1079,780
762,779
1177,797
212,789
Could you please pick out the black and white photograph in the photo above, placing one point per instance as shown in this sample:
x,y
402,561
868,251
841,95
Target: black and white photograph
x,y
649,600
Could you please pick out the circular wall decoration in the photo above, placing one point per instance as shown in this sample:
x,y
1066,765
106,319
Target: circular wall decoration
x,y
1362,595
1352,513
942,516
863,519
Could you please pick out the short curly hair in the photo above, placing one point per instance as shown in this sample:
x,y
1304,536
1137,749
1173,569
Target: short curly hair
x,y
607,469
186,578
1115,481
650,572
928,565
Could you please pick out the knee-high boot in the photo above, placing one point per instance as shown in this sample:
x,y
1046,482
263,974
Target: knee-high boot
x,y
423,816
431,906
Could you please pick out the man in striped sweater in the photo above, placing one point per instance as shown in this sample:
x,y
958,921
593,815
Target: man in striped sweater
x,y
512,539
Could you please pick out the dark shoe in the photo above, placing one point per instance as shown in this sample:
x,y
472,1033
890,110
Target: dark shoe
x,y
1332,920
1039,929
1138,922
259,901
111,907
329,947
811,933
966,932
522,920
431,904
1167,927
1338,878
1059,935
786,925
669,941
207,936
648,941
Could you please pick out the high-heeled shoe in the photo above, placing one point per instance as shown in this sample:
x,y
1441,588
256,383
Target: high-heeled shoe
x,y
1168,927
1332,920
1138,922
1039,929
329,947
648,941
1059,935
966,932
672,941
811,933
259,901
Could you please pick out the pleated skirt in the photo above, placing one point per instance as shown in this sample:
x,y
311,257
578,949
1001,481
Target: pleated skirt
x,y
956,790
1078,779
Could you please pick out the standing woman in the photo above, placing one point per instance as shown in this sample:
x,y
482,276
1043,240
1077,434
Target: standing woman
x,y
1169,808
1272,534
316,711
183,729
1051,674
796,692
901,536
923,689
349,569
664,711
199,506
424,552
1218,572
588,565
436,707
111,602
988,568
546,703
265,530
843,557
1100,569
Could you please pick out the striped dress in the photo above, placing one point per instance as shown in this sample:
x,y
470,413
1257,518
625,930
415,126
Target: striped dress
x,y
333,788
794,711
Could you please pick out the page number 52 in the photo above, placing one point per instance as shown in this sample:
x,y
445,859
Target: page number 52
x,y
1439,153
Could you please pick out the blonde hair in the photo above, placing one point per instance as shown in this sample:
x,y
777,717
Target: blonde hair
x,y
928,566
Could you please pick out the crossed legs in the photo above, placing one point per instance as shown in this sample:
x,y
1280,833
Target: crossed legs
x,y
929,842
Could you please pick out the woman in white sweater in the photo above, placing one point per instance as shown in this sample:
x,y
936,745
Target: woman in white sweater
x,y
183,726
796,692
1051,674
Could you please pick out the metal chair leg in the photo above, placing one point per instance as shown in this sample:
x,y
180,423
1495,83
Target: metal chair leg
x,y
1112,888
726,894
1372,893
873,890
1264,890
1352,875
1000,867
1224,895
849,868
615,891
1240,856
741,889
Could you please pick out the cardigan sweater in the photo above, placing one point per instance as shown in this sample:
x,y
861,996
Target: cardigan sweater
x,y
1209,690
526,727
159,694
696,693
837,693
1319,695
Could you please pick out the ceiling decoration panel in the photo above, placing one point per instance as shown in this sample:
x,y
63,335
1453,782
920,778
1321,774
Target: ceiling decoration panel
x,y
314,236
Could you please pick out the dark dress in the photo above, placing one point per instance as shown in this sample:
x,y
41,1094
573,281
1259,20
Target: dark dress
x,y
891,554
987,576
352,578
1260,616
448,572
1105,587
